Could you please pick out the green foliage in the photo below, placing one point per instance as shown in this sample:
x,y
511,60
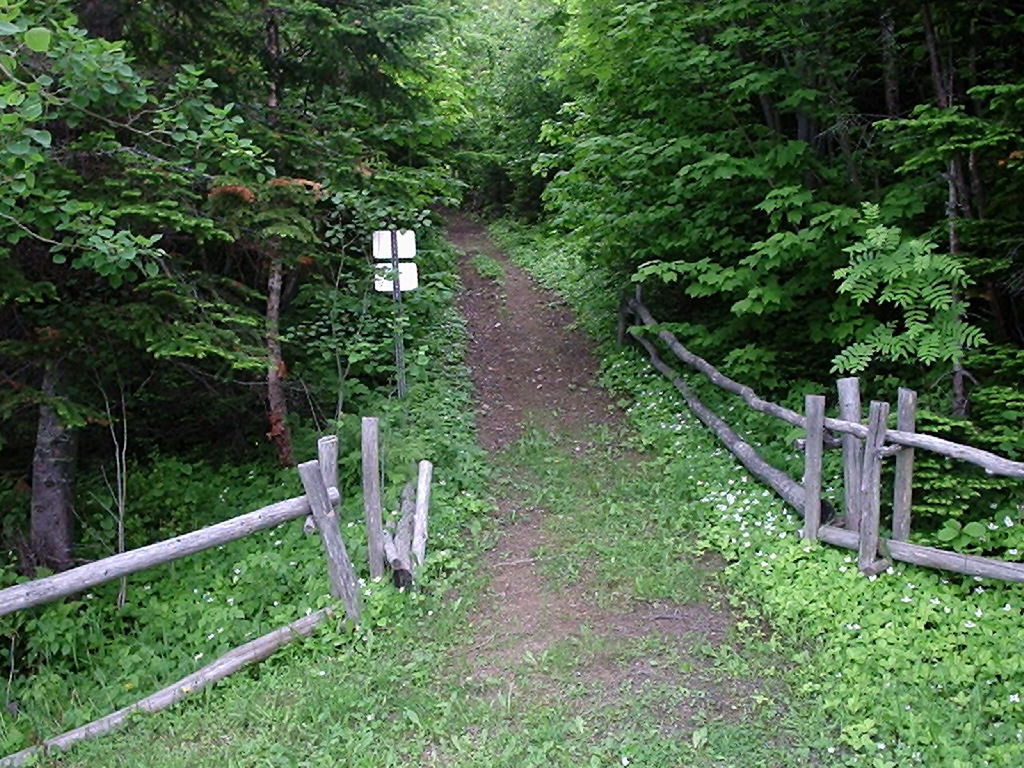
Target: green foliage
x,y
721,154
505,51
108,173
923,285
150,184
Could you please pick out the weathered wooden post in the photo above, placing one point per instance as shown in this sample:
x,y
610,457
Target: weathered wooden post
x,y
340,572
871,491
371,495
327,454
814,408
419,519
849,410
906,421
400,556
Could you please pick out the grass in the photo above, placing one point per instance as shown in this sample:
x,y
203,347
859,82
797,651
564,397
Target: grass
x,y
409,691
489,268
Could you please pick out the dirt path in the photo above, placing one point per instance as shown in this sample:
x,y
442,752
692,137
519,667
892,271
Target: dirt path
x,y
532,369
525,361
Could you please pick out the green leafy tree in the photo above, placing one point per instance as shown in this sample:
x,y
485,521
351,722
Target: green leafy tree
x,y
101,170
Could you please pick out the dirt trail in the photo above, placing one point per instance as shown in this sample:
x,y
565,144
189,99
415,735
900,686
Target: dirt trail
x,y
524,359
530,366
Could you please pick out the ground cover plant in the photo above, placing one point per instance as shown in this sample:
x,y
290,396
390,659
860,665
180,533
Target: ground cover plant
x,y
914,666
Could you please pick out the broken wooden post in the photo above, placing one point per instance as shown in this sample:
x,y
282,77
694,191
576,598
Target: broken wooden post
x,y
401,563
871,491
327,453
371,495
339,568
814,407
906,421
419,520
849,410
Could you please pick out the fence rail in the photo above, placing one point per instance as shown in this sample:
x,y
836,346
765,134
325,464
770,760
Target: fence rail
x,y
85,577
865,447
320,502
990,462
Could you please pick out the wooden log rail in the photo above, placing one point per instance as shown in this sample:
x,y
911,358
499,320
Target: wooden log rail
x,y
320,478
788,488
232,661
990,462
794,494
929,557
85,577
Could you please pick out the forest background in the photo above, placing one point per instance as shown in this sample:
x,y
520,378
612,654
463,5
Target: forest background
x,y
803,190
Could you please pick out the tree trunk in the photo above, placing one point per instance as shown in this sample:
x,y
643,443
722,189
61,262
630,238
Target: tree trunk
x,y
771,114
890,65
276,369
958,195
273,47
53,481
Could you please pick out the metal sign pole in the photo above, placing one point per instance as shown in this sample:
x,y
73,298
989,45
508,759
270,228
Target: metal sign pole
x,y
396,294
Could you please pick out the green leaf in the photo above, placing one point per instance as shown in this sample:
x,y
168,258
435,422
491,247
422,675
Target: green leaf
x,y
21,147
699,738
975,530
38,39
43,138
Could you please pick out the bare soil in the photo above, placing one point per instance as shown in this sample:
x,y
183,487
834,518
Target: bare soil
x,y
531,366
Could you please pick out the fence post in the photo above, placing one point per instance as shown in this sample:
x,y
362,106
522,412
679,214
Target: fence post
x,y
419,520
371,495
906,421
339,568
849,410
871,491
327,453
814,408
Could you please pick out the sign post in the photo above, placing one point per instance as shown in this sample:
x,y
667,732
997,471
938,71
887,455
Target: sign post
x,y
396,272
396,294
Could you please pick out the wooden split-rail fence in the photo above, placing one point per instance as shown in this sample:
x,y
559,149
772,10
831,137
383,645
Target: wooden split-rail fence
x,y
402,551
865,447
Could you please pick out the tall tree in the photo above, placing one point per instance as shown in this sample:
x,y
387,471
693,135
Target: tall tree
x,y
84,256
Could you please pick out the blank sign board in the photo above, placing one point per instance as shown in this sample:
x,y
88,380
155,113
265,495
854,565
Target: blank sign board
x,y
382,245
408,277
